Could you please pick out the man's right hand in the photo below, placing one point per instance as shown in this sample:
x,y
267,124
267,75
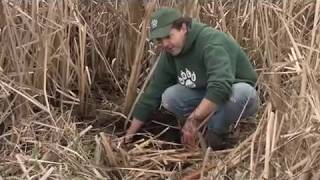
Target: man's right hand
x,y
133,129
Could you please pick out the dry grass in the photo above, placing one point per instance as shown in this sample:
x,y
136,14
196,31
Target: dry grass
x,y
64,58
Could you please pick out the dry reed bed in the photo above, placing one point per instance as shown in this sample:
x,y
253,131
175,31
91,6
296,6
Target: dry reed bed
x,y
57,56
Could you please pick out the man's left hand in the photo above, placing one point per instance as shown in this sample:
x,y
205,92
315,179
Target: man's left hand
x,y
189,133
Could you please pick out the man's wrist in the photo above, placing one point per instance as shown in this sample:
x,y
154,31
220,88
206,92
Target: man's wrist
x,y
197,116
195,119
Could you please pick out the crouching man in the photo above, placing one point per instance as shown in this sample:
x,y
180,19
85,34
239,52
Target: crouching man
x,y
201,72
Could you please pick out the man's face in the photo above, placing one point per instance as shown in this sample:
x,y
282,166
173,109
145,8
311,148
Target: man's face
x,y
175,41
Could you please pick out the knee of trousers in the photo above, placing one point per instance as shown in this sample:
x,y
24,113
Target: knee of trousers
x,y
171,102
243,92
244,96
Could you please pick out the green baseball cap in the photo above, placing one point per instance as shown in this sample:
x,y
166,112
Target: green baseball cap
x,y
161,21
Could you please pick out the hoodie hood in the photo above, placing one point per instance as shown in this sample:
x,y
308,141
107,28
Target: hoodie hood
x,y
192,34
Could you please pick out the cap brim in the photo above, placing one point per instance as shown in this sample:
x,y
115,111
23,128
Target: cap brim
x,y
160,32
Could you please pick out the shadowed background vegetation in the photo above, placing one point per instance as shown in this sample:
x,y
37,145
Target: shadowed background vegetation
x,y
71,69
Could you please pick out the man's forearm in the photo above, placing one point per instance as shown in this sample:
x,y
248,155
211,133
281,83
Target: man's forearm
x,y
204,109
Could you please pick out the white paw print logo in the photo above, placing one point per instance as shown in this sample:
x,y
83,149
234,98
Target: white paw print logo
x,y
187,78
154,23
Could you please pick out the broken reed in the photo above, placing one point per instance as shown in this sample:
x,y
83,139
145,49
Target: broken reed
x,y
54,55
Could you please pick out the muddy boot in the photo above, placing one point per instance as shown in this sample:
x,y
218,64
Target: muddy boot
x,y
216,141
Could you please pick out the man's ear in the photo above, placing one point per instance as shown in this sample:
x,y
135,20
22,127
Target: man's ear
x,y
184,27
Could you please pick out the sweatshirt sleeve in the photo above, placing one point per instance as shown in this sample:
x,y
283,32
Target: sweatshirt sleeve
x,y
163,77
219,72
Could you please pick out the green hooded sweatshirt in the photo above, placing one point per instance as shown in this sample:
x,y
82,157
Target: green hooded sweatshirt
x,y
209,59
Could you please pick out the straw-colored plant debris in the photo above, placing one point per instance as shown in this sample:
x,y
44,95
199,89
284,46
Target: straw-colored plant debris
x,y
68,68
